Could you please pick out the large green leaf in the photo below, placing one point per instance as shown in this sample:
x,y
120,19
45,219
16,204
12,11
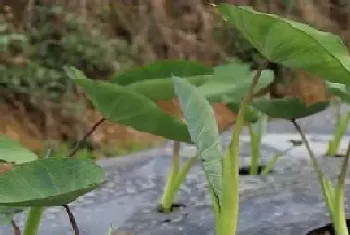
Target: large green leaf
x,y
13,152
49,182
123,106
203,128
161,69
163,88
290,43
231,81
340,90
288,108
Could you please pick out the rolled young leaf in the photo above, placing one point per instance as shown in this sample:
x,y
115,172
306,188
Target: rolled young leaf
x,y
288,108
7,213
161,69
251,115
13,152
203,129
49,182
340,90
126,107
292,44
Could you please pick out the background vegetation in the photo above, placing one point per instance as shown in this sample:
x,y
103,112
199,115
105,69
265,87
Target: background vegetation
x,y
39,105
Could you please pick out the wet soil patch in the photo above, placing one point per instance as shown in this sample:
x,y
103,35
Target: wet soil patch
x,y
174,207
245,170
327,230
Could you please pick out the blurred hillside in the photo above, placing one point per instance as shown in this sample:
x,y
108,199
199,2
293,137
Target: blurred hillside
x,y
40,106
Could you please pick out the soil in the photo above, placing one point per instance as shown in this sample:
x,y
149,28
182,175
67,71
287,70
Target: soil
x,y
326,230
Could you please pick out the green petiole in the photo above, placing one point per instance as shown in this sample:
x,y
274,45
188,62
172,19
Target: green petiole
x,y
33,220
254,151
256,131
175,178
229,210
339,132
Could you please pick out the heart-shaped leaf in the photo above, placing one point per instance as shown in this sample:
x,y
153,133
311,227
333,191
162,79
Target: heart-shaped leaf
x,y
161,69
203,129
126,107
230,82
340,90
163,88
13,152
49,182
288,108
292,44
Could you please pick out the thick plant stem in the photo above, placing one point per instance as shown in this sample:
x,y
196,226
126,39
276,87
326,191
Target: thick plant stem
x,y
254,151
230,190
33,220
168,194
341,226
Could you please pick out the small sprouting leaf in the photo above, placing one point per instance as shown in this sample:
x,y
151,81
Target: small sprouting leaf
x,y
203,129
230,82
161,69
340,90
260,127
163,88
49,182
110,230
292,44
7,213
126,107
288,108
251,115
13,152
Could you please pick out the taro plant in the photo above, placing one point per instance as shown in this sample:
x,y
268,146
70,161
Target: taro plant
x,y
221,169
153,81
228,85
342,95
135,94
319,53
35,184
333,196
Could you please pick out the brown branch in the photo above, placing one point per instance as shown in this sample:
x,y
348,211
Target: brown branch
x,y
72,220
78,145
16,229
